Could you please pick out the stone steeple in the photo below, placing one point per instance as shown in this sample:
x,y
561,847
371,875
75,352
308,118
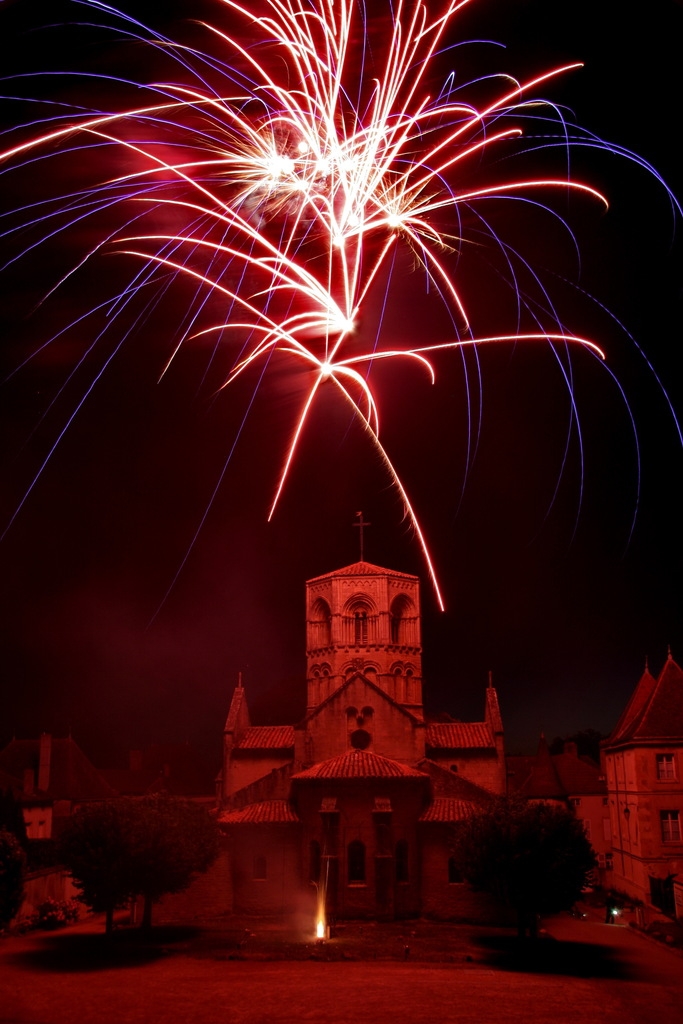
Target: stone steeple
x,y
363,618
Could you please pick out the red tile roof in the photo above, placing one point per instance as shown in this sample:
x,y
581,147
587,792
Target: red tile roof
x,y
459,735
267,737
447,809
270,812
363,569
359,764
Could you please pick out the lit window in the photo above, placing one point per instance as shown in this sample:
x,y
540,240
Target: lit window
x,y
671,826
666,769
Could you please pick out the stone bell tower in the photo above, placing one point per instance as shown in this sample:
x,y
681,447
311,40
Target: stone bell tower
x,y
363,618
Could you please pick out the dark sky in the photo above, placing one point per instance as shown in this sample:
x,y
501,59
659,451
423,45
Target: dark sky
x,y
545,582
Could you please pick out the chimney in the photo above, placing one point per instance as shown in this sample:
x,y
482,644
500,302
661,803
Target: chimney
x,y
44,762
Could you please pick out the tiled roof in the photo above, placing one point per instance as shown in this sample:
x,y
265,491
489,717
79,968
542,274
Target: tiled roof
x,y
363,569
459,735
655,710
270,812
266,737
359,764
447,809
452,785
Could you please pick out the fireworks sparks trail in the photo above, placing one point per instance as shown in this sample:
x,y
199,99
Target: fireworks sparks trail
x,y
288,161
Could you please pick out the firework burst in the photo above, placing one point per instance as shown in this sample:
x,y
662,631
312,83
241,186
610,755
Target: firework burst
x,y
278,169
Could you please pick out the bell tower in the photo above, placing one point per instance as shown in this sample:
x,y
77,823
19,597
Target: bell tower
x,y
363,618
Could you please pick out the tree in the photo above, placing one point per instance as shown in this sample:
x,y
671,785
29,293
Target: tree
x,y
12,817
137,847
176,841
12,861
96,848
533,857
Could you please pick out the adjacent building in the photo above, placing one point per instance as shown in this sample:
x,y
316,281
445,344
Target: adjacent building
x,y
643,761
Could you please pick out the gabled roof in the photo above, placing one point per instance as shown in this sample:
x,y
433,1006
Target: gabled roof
x,y
460,736
373,686
72,776
359,764
267,737
363,569
269,812
655,710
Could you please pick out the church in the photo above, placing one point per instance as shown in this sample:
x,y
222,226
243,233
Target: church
x,y
355,804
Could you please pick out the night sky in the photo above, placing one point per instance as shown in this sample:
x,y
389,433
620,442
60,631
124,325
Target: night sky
x,y
560,569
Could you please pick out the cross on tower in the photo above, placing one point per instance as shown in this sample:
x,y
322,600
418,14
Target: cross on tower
x,y
361,524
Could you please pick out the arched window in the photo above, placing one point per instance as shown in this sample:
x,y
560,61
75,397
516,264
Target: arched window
x,y
401,861
360,628
454,873
260,868
321,624
356,861
314,861
399,612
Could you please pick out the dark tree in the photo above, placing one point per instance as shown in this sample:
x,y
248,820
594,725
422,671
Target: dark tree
x,y
137,847
176,841
12,817
96,847
531,856
12,861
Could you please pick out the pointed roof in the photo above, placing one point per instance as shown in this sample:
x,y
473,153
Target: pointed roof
x,y
363,569
655,710
359,764
634,708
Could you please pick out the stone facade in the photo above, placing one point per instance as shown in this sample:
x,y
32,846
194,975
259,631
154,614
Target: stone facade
x,y
354,805
643,761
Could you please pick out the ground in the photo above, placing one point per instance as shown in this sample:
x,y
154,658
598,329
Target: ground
x,y
249,973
